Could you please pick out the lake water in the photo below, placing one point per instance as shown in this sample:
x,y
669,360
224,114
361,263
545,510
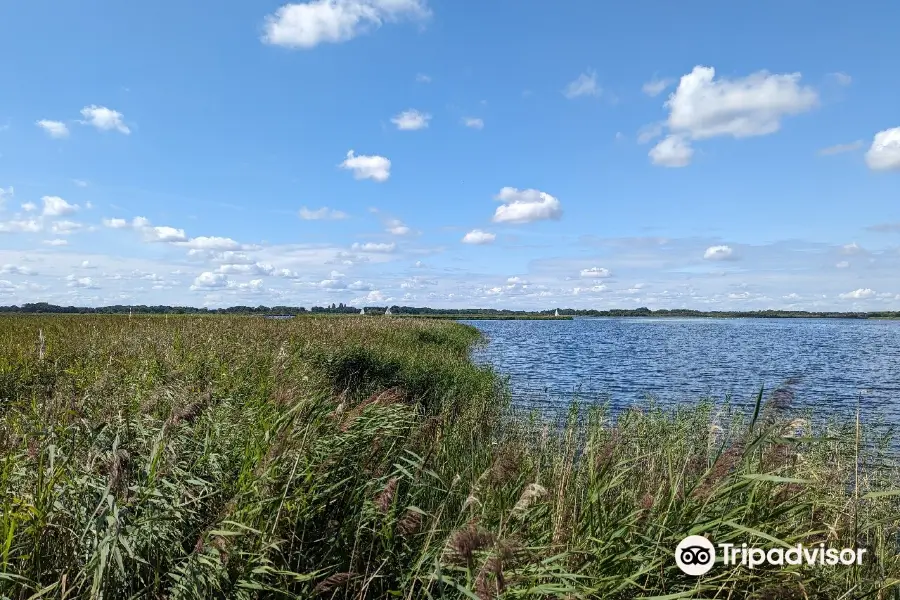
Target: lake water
x,y
831,363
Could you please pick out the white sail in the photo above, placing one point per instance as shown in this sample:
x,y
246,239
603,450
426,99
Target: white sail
x,y
362,311
556,314
388,311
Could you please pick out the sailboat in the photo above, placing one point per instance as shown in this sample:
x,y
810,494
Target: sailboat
x,y
556,314
362,311
388,311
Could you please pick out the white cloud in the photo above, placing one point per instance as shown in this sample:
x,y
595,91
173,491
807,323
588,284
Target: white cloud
x,y
397,227
595,272
842,264
308,24
209,243
209,280
247,269
704,107
584,85
116,223
15,270
163,234
375,296
56,242
655,86
852,248
674,151
423,78
55,129
860,294
884,153
526,206
254,285
411,120
5,194
81,282
718,253
373,247
65,227
28,206
377,168
477,236
841,148
54,206
166,234
104,119
323,213
472,122
21,226
80,182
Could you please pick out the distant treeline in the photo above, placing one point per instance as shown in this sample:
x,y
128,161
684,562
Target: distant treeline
x,y
44,307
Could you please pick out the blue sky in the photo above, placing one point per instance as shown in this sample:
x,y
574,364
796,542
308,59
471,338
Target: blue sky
x,y
427,152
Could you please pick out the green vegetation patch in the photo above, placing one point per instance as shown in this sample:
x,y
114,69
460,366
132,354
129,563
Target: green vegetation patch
x,y
239,457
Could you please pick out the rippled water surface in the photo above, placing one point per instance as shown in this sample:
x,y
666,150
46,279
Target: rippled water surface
x,y
833,363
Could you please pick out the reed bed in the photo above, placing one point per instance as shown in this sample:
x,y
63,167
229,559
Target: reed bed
x,y
239,457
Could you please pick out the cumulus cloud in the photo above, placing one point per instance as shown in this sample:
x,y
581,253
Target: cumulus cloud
x,y
860,294
526,206
209,280
472,122
656,86
411,120
81,282
15,270
321,214
478,237
55,129
884,153
703,106
163,234
674,151
397,227
719,253
104,119
583,85
373,247
21,226
116,223
65,227
595,272
54,206
308,24
249,269
377,168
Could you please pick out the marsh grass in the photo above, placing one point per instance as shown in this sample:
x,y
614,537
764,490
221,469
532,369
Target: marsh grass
x,y
237,457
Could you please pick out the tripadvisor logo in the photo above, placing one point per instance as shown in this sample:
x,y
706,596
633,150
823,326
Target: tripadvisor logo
x,y
695,555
